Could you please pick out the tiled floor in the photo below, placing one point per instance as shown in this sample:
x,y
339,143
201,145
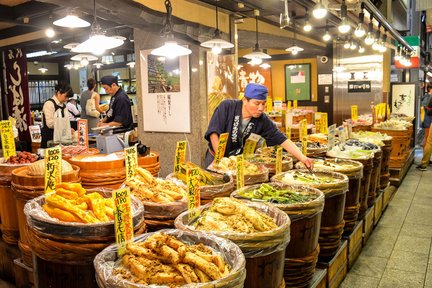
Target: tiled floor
x,y
398,254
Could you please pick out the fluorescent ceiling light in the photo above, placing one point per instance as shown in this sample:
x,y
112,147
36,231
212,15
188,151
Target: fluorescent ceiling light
x,y
39,54
71,21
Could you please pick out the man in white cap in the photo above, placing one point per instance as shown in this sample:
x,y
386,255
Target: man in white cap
x,y
241,118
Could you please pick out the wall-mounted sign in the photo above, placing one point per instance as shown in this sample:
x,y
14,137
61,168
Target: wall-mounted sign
x,y
359,86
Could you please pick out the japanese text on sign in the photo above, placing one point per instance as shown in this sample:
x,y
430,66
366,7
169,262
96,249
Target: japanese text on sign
x,y
354,113
7,138
223,138
324,123
295,104
250,145
131,159
180,155
302,129
53,165
83,133
279,160
193,180
240,171
318,122
123,223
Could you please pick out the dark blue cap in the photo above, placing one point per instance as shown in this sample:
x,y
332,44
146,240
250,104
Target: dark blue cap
x,y
109,80
256,91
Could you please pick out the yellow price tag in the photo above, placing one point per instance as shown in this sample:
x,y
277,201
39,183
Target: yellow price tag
x,y
279,160
354,113
324,123
288,132
7,138
318,122
53,166
131,160
123,221
240,171
83,133
193,180
289,105
304,145
302,129
269,104
295,104
223,138
250,145
180,155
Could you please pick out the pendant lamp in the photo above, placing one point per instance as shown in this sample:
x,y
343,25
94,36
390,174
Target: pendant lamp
x,y
257,55
217,43
294,49
71,21
170,49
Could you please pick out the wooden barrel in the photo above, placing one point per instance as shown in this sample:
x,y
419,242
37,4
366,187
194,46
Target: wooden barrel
x,y
385,158
332,222
26,187
364,186
401,146
8,210
375,177
64,252
264,251
209,192
97,173
150,162
301,253
358,128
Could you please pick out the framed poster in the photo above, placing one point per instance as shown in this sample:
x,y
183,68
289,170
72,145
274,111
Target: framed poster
x,y
298,82
260,74
220,80
403,98
166,93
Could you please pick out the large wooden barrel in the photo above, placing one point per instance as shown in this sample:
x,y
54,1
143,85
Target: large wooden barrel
x,y
264,251
64,252
8,210
107,171
150,162
375,177
401,145
385,158
301,253
26,187
358,128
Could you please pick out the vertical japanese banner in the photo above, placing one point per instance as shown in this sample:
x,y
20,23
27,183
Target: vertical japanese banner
x,y
240,171
131,158
18,92
193,179
83,133
180,155
123,223
53,165
354,113
279,160
8,142
223,138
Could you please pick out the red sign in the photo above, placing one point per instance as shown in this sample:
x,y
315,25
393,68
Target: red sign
x,y
18,92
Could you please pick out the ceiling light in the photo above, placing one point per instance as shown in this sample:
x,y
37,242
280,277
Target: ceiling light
x,y
319,11
294,49
71,21
347,44
257,54
131,64
265,65
43,69
370,37
98,65
326,37
69,66
39,53
397,56
361,49
353,45
217,43
84,61
307,26
360,31
344,26
383,47
84,58
49,32
71,46
170,49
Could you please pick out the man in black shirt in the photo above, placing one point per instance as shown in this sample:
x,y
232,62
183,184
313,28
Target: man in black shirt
x,y
119,113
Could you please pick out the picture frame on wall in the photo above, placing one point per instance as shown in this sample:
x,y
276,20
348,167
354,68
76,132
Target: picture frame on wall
x,y
166,93
403,98
298,82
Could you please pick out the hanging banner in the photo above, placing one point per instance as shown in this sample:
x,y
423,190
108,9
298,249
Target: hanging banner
x,y
18,92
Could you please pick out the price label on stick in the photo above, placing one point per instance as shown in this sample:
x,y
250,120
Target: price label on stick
x,y
180,155
7,138
193,185
295,104
131,160
302,129
324,123
240,171
288,132
279,160
331,136
289,105
250,145
83,133
349,130
123,222
341,135
354,113
223,138
53,167
317,122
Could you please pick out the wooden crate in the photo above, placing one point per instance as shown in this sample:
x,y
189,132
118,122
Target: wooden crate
x,y
397,174
378,208
368,224
24,277
337,267
387,195
355,241
319,279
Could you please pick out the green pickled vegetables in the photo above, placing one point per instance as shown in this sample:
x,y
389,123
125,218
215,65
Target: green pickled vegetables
x,y
277,195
